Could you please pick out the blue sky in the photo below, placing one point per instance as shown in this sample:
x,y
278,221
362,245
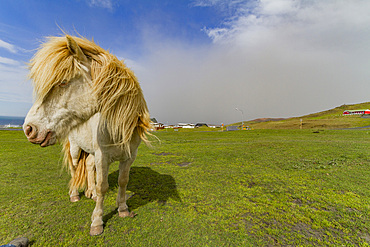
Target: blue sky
x,y
198,60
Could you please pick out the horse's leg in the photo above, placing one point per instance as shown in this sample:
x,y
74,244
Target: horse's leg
x,y
75,153
124,170
101,165
91,190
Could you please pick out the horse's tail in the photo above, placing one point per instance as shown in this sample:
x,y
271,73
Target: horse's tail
x,y
144,125
79,179
67,155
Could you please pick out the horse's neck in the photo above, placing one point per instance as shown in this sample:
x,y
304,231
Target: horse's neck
x,y
86,134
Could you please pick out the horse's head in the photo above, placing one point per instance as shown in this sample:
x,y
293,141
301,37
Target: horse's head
x,y
73,79
64,97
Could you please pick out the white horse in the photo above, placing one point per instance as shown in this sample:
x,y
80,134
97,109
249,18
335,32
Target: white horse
x,y
84,92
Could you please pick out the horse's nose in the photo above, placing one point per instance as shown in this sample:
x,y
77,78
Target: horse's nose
x,y
30,131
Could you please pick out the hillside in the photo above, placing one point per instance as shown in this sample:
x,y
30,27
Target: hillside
x,y
329,119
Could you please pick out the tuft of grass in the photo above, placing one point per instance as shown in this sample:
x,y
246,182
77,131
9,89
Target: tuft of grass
x,y
240,188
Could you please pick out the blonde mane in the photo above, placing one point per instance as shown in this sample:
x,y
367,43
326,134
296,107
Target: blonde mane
x,y
119,96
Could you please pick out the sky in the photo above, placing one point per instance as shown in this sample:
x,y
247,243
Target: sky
x,y
199,60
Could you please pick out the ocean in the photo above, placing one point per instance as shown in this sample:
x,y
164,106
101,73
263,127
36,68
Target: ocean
x,y
12,121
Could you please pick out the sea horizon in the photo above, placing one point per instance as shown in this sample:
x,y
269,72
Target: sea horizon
x,y
11,121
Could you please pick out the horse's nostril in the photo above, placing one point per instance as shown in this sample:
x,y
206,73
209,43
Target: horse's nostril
x,y
30,131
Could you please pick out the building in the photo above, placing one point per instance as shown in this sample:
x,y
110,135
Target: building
x,y
201,125
356,112
158,126
186,125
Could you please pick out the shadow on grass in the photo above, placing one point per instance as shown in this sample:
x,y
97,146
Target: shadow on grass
x,y
147,186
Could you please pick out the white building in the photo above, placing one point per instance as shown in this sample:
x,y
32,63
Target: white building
x,y
186,125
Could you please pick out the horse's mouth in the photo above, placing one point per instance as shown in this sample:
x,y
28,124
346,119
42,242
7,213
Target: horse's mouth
x,y
49,139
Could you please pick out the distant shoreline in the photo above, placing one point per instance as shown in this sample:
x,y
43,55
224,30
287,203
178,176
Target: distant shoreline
x,y
12,129
8,122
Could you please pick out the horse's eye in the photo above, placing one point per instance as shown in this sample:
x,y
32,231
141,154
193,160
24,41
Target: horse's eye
x,y
63,83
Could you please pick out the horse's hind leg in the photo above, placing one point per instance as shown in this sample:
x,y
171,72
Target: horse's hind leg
x,y
124,170
90,165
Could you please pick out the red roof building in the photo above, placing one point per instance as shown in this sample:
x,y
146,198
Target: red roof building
x,y
356,112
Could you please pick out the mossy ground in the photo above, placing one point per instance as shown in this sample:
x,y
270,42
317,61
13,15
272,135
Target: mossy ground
x,y
241,188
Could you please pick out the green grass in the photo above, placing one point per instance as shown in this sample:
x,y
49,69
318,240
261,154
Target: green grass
x,y
241,188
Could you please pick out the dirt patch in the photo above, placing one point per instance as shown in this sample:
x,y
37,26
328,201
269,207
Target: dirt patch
x,y
183,164
298,201
308,231
251,184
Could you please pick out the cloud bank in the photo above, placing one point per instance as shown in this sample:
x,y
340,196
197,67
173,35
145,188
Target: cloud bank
x,y
270,58
15,91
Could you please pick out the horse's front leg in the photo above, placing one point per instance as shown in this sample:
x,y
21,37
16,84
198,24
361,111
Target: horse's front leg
x,y
124,171
101,165
73,190
90,167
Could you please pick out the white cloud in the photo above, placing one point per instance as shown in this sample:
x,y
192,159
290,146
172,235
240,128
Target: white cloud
x,y
8,46
271,59
318,22
278,7
132,64
218,3
101,3
14,85
8,61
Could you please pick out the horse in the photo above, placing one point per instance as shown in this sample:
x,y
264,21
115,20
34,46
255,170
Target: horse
x,y
83,92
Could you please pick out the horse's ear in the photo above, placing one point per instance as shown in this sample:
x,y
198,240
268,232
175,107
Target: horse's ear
x,y
75,49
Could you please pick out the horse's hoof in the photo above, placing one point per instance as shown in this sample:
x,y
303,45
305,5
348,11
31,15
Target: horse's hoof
x,y
74,198
88,194
96,230
126,213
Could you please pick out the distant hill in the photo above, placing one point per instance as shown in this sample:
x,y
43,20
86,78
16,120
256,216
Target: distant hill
x,y
260,120
329,119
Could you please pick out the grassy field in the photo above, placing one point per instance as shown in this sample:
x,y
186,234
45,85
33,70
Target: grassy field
x,y
329,119
241,188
